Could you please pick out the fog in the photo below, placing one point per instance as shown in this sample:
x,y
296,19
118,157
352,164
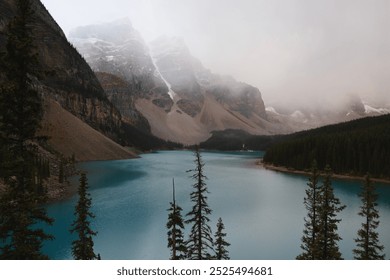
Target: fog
x,y
296,52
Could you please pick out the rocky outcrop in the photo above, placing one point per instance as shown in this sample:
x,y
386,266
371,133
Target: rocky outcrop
x,y
180,99
120,93
124,54
192,82
66,76
72,137
174,63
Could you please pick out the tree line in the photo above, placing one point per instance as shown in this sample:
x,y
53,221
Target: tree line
x,y
354,148
200,244
320,237
22,169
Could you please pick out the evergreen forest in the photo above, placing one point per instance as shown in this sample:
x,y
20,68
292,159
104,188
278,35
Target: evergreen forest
x,y
353,148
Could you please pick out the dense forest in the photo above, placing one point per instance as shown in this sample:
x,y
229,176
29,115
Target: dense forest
x,y
235,139
355,148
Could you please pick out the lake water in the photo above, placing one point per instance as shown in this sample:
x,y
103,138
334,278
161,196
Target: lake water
x,y
262,210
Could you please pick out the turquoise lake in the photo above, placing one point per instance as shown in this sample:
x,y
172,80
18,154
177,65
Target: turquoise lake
x,y
262,210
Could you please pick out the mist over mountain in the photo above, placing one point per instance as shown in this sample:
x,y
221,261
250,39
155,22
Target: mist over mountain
x,y
181,100
165,90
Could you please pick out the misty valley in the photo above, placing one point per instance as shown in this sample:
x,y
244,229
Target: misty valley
x,y
146,136
262,210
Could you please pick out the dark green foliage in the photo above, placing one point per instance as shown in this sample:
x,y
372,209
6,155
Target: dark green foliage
x,y
367,243
73,159
320,237
327,213
20,211
61,172
144,140
175,226
200,241
41,171
350,148
234,139
82,248
20,103
20,115
312,203
221,253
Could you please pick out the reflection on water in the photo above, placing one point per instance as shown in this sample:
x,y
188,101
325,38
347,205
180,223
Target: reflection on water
x,y
262,210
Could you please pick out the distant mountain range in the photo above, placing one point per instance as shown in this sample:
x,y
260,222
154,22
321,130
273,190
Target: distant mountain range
x,y
306,117
114,88
162,88
181,100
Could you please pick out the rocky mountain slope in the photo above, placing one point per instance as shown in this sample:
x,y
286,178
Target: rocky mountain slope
x,y
70,136
180,99
67,79
302,118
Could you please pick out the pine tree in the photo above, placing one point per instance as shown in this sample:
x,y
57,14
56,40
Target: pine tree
x,y
311,201
221,253
61,172
20,115
175,226
327,214
367,243
200,241
82,248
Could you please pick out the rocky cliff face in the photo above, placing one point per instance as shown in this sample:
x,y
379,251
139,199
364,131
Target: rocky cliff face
x,y
119,92
117,48
180,99
67,77
192,82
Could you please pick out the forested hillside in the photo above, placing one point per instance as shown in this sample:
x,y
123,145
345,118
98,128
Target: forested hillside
x,y
354,148
235,139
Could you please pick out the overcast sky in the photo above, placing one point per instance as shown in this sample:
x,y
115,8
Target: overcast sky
x,y
292,50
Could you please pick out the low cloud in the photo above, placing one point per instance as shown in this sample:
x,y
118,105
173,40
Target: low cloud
x,y
297,52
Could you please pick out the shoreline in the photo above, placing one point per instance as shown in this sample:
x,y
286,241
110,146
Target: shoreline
x,y
283,169
58,192
61,192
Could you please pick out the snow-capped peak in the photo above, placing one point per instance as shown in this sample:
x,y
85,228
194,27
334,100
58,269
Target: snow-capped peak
x,y
369,110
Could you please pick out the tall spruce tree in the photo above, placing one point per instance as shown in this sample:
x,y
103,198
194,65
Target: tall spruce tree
x,y
82,248
221,252
200,241
329,206
367,243
175,226
311,201
20,115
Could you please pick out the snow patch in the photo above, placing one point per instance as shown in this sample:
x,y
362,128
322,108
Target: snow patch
x,y
368,109
271,110
109,57
298,115
171,93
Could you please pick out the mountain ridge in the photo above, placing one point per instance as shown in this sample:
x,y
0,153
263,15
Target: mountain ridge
x,y
170,87
67,79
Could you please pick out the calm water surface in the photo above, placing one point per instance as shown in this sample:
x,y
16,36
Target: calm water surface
x,y
262,210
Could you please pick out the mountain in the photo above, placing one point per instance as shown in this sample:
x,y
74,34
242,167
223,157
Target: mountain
x,y
161,89
68,82
306,117
354,147
181,100
119,56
